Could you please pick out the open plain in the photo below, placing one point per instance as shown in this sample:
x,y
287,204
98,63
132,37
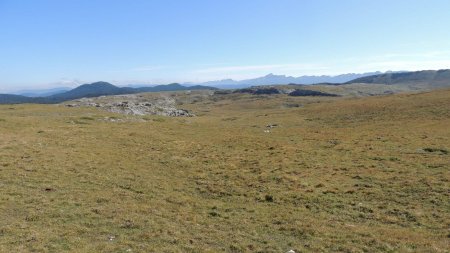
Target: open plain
x,y
267,173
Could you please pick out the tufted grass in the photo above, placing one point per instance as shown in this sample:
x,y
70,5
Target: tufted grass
x,y
333,175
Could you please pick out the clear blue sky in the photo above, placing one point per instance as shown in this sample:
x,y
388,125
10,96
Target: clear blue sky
x,y
55,42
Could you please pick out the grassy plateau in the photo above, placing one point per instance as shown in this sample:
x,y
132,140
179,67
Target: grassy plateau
x,y
247,174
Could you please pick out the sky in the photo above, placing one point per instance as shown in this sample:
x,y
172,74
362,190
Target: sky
x,y
54,43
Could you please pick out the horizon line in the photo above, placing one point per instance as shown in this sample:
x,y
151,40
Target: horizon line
x,y
77,83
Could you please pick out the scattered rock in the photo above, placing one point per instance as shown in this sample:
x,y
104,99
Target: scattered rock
x,y
334,142
292,105
128,224
32,239
134,105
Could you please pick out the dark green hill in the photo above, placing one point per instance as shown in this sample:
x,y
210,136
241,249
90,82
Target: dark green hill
x,y
16,99
305,93
89,90
437,78
94,90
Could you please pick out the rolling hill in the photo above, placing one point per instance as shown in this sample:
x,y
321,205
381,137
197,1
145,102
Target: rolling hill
x,y
438,78
404,81
41,92
94,90
16,99
173,87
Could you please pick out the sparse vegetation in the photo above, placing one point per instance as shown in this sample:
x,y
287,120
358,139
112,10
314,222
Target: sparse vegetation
x,y
334,175
439,150
87,118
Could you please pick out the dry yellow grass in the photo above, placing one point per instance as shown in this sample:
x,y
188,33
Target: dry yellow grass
x,y
335,175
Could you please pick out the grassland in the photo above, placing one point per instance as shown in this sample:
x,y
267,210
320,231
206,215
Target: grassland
x,y
334,175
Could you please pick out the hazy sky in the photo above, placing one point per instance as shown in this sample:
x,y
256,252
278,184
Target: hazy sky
x,y
62,42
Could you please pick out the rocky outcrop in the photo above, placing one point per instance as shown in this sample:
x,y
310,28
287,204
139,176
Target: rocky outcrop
x,y
134,105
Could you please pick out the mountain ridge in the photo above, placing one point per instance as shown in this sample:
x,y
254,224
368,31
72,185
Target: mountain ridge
x,y
41,92
93,90
429,79
272,79
269,79
436,78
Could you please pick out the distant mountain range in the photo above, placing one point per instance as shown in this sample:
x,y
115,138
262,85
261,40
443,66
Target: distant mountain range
x,y
272,79
42,92
94,90
269,79
426,78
